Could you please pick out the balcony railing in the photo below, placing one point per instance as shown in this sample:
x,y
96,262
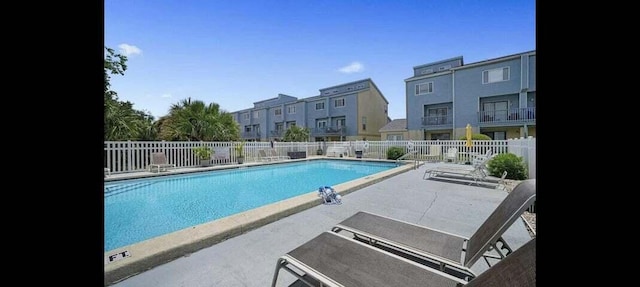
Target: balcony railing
x,y
437,120
508,116
277,133
251,135
327,131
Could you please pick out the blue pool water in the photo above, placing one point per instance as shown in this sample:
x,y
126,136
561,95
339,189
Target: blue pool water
x,y
140,209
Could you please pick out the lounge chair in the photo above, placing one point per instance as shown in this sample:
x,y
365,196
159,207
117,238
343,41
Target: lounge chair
x,y
159,161
452,154
262,156
477,171
334,260
450,252
274,154
435,153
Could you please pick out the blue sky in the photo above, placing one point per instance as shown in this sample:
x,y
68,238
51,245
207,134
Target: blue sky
x,y
238,52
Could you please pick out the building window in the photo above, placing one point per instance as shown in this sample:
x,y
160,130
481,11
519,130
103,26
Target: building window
x,y
425,88
444,67
441,136
494,111
495,75
321,124
497,135
279,127
290,124
394,137
341,122
247,128
364,123
277,111
245,116
291,109
427,71
338,102
320,106
437,116
256,114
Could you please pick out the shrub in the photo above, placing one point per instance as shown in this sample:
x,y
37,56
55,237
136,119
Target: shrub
x,y
513,164
480,137
395,152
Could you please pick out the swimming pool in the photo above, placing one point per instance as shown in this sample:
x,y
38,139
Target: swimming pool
x,y
140,209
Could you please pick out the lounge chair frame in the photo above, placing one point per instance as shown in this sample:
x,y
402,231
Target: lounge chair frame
x,y
274,154
453,253
264,157
159,161
324,260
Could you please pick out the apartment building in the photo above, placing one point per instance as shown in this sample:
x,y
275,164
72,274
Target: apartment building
x,y
497,97
350,111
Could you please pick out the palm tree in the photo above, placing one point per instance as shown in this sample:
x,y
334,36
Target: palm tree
x,y
296,134
194,121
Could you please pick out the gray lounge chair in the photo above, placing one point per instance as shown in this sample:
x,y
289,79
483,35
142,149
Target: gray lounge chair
x,y
334,260
262,155
159,161
274,154
446,251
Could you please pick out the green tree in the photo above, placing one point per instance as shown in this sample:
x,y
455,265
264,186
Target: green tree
x,y
195,121
121,121
296,134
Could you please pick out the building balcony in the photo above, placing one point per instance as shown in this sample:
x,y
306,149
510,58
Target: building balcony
x,y
251,135
437,121
329,131
276,133
507,117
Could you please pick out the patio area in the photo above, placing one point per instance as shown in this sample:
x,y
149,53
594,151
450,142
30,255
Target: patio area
x,y
250,259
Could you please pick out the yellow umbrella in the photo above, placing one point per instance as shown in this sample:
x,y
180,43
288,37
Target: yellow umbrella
x,y
469,136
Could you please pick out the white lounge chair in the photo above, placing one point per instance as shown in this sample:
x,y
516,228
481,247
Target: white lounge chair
x,y
435,153
452,154
477,171
274,154
159,161
262,155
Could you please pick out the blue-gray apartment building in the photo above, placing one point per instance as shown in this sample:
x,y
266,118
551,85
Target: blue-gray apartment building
x,y
497,97
350,111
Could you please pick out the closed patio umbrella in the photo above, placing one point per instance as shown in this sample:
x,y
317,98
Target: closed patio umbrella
x,y
469,136
469,142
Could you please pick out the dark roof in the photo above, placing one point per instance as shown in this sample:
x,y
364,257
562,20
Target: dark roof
x,y
395,125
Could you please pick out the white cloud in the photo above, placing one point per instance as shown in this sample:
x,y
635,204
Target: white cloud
x,y
128,50
166,96
354,67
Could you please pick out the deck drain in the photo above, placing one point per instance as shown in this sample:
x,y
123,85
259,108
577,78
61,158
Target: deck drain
x,y
117,256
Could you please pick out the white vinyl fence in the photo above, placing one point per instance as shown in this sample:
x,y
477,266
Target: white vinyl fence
x,y
133,156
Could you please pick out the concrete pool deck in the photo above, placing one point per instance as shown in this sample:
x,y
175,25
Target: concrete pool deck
x,y
153,252
248,257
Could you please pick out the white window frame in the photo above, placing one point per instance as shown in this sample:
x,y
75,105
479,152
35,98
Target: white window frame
x,y
492,74
338,100
321,124
291,109
256,114
395,137
319,103
245,116
429,88
277,112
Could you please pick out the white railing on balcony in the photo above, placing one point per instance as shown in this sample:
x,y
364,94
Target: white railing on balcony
x,y
133,156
